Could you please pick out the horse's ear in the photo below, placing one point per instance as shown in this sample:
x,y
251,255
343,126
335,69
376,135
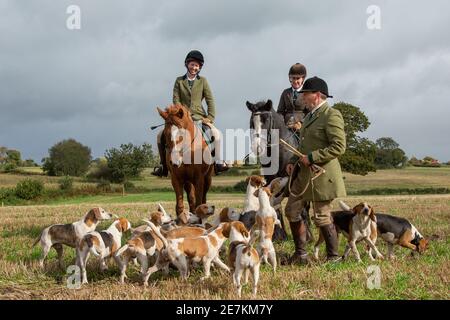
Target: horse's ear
x,y
268,105
163,114
180,113
250,106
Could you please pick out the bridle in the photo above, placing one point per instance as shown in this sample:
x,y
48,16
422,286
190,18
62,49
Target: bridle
x,y
269,129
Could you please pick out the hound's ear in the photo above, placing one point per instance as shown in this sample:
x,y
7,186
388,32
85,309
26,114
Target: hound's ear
x,y
372,215
242,229
268,105
208,225
119,226
268,191
247,180
226,229
199,211
97,213
274,185
163,114
250,106
256,193
155,217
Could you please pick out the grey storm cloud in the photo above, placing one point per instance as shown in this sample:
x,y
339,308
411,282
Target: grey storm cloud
x,y
101,84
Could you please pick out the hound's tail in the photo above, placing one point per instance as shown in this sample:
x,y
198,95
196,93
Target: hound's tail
x,y
161,209
121,250
344,206
37,240
156,231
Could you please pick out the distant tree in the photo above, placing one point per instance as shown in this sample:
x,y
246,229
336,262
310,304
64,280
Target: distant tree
x,y
29,163
389,155
67,158
13,157
9,159
360,158
128,161
3,155
99,170
414,161
360,153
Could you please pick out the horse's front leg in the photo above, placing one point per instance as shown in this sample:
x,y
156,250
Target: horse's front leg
x,y
199,184
190,191
178,188
206,186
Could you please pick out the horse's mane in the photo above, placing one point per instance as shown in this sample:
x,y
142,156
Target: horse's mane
x,y
175,108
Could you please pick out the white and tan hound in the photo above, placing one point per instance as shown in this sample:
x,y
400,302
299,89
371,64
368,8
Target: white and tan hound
x,y
103,244
266,218
70,235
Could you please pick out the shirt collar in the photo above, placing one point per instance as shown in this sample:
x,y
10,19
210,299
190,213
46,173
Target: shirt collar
x,y
317,107
298,90
187,77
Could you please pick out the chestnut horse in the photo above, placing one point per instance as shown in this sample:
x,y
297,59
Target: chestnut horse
x,y
188,157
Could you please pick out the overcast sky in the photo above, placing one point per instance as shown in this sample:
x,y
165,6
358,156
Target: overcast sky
x,y
101,84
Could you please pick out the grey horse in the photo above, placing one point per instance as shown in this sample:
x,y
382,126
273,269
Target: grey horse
x,y
267,125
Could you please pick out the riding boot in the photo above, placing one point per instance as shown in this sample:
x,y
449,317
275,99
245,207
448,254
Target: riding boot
x,y
162,170
331,240
299,232
220,167
305,216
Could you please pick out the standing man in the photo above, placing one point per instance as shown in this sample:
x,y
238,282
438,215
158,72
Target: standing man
x,y
289,106
322,142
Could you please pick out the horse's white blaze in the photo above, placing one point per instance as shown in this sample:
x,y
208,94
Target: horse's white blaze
x,y
256,141
176,156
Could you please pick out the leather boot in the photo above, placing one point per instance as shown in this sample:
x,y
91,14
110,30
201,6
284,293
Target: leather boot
x,y
299,232
305,216
220,167
330,236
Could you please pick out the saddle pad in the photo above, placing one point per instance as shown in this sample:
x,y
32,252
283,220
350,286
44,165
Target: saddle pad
x,y
206,133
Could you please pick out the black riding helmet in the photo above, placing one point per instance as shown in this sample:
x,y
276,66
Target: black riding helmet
x,y
196,56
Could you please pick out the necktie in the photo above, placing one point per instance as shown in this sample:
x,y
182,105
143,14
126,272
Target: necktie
x,y
294,96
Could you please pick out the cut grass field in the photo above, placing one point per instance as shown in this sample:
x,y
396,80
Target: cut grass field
x,y
406,277
410,177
